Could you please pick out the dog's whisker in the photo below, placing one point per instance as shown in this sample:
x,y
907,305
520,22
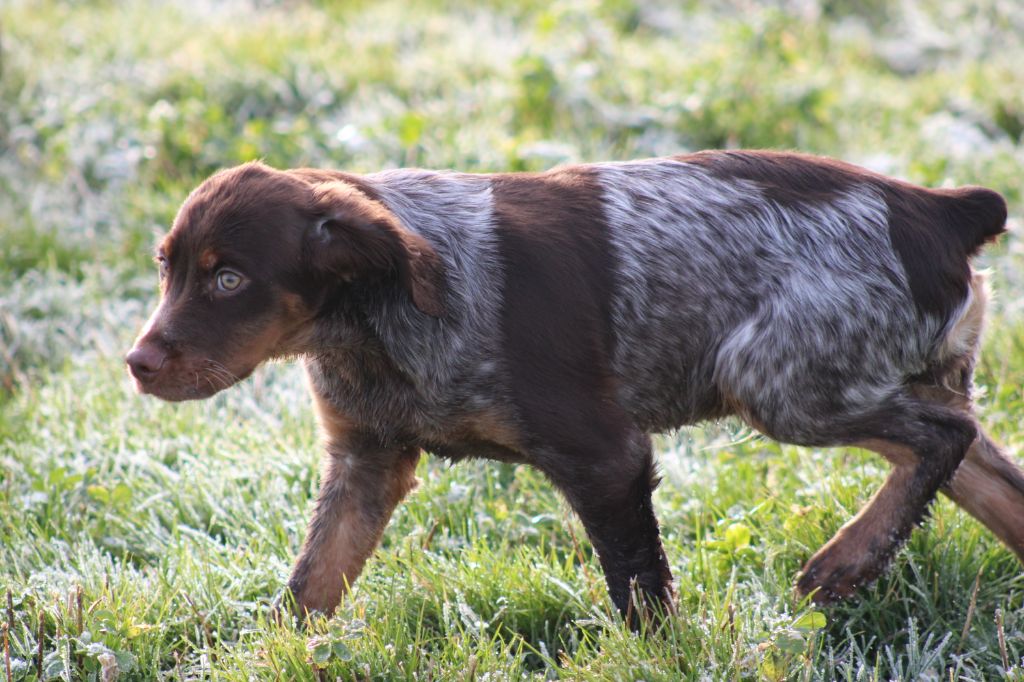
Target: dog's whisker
x,y
223,376
223,370
215,381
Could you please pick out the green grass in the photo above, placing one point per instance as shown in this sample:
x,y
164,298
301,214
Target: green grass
x,y
156,535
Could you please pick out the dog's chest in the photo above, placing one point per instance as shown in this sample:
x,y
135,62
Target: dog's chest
x,y
375,397
369,391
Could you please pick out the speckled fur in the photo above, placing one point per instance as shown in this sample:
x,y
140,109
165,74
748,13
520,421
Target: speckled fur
x,y
437,370
559,318
793,316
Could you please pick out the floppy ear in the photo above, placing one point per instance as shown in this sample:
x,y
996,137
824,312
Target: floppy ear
x,y
355,236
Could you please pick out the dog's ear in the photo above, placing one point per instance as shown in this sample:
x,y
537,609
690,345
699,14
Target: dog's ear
x,y
355,236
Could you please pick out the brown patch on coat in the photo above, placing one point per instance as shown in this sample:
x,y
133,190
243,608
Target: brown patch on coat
x,y
491,433
898,454
491,426
559,268
935,232
555,317
208,259
335,426
288,333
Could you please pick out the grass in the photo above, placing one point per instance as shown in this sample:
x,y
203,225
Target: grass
x,y
153,537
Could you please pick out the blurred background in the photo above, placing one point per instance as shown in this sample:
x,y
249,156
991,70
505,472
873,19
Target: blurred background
x,y
110,112
175,525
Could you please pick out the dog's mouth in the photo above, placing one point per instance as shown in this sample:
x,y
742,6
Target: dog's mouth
x,y
181,379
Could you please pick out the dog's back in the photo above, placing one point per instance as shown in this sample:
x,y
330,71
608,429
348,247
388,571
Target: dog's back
x,y
781,285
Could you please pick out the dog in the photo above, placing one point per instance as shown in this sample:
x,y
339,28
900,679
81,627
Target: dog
x,y
559,318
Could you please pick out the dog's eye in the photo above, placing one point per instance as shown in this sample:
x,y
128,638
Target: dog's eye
x,y
164,267
228,280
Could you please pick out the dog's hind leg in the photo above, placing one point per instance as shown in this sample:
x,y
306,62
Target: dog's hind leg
x,y
925,443
988,484
922,435
990,487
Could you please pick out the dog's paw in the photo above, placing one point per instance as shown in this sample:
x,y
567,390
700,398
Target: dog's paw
x,y
830,576
287,609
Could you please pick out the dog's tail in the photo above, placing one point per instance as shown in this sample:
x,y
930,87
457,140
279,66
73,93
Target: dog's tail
x,y
977,214
935,232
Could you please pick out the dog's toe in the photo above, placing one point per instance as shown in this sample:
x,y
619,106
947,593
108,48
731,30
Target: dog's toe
x,y
826,579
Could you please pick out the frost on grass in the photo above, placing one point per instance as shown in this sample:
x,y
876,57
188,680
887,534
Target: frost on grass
x,y
178,523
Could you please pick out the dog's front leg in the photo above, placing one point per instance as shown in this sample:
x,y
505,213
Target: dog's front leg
x,y
609,485
359,489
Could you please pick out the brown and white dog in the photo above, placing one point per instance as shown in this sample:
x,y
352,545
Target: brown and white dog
x,y
559,318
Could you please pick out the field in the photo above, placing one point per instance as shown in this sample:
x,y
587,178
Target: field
x,y
151,538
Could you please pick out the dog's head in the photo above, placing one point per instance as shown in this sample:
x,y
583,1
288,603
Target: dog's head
x,y
255,255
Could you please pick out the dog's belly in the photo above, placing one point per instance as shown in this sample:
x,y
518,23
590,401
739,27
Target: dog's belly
x,y
456,451
671,396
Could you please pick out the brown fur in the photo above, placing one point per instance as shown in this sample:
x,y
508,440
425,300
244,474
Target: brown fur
x,y
357,497
363,237
990,487
555,323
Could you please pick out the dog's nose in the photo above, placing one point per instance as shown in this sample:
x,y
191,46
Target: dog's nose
x,y
145,361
